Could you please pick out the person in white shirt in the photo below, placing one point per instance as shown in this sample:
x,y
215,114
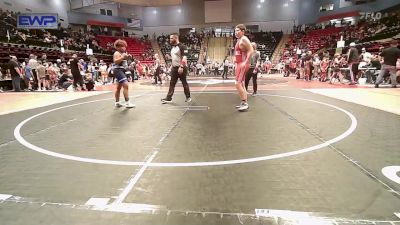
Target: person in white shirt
x,y
365,56
33,64
103,72
316,64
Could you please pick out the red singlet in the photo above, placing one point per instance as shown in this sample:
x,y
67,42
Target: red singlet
x,y
240,55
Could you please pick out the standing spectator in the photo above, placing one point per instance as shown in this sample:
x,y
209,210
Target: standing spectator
x,y
335,64
33,64
324,69
267,66
51,72
28,76
308,64
157,66
390,56
216,67
316,65
103,71
15,74
41,73
76,74
140,70
352,60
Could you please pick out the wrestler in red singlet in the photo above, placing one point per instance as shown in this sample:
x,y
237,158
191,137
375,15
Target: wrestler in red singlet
x,y
240,56
243,51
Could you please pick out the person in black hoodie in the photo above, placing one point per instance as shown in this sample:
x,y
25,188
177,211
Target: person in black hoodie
x,y
76,73
353,60
390,56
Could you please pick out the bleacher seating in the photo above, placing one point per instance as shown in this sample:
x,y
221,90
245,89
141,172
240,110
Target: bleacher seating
x,y
316,39
135,47
266,42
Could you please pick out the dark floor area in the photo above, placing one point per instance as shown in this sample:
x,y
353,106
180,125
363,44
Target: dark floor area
x,y
341,182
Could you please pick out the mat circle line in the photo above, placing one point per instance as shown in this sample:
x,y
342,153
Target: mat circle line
x,y
21,140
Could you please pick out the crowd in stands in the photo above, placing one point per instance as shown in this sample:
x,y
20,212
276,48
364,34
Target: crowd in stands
x,y
316,37
140,49
39,74
311,52
71,40
22,44
337,68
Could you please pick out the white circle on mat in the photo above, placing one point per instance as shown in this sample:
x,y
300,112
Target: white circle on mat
x,y
29,145
391,173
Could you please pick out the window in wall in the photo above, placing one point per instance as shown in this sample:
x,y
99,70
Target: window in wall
x,y
102,11
109,12
28,10
326,7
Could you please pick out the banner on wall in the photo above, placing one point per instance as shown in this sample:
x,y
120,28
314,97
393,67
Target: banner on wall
x,y
134,23
37,21
371,15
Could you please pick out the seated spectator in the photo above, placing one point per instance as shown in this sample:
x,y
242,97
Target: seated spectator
x,y
65,81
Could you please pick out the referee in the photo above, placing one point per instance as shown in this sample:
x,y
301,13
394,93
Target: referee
x,y
179,68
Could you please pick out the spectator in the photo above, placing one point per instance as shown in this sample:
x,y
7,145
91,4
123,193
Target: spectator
x,y
390,56
41,73
16,74
352,60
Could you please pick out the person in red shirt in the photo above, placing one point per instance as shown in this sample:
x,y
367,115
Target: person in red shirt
x,y
307,64
140,69
243,51
324,69
52,76
293,67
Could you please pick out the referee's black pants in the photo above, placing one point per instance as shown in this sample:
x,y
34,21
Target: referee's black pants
x,y
225,73
174,79
78,79
250,74
157,76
